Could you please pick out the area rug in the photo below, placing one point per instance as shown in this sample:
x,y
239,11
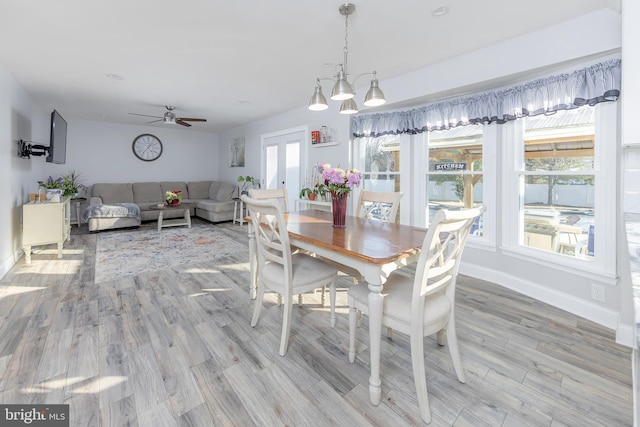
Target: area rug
x,y
131,253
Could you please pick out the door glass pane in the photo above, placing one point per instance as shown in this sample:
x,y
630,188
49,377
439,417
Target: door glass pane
x,y
271,167
292,171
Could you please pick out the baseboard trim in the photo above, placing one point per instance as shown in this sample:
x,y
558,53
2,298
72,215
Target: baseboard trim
x,y
8,263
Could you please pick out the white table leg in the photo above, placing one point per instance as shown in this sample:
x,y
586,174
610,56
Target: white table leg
x,y
60,249
78,213
27,254
235,211
253,263
187,217
375,331
160,220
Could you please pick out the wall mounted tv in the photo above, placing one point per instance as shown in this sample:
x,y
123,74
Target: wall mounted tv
x,y
58,142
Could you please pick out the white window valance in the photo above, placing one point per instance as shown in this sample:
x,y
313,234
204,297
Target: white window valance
x,y
588,86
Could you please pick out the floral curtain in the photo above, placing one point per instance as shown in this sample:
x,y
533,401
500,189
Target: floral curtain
x,y
591,85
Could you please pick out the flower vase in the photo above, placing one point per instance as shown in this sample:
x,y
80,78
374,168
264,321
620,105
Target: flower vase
x,y
339,209
173,202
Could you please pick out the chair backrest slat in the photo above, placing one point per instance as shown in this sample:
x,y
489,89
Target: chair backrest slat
x,y
378,205
272,238
439,260
279,194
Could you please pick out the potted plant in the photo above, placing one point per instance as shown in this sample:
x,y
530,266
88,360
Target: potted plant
x,y
173,197
71,184
308,193
247,183
52,187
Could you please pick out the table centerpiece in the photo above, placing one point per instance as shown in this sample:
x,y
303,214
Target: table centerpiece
x,y
339,182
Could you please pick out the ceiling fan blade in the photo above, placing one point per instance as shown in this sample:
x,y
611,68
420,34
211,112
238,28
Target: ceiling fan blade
x,y
187,119
180,122
155,121
145,115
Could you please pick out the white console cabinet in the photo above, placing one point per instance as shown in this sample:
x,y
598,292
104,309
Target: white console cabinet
x,y
44,223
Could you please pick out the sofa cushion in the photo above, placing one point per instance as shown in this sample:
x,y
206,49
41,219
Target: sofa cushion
x,y
175,185
199,189
226,192
147,192
213,190
215,206
113,193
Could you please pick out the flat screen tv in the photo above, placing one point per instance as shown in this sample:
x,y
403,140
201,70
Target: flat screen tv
x,y
58,142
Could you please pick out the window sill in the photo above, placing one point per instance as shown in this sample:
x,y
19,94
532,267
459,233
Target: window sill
x,y
581,267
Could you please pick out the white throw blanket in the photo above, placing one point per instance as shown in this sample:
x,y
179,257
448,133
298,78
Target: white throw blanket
x,y
115,210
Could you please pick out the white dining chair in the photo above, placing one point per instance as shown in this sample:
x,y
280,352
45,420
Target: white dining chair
x,y
425,304
378,205
279,194
382,205
281,271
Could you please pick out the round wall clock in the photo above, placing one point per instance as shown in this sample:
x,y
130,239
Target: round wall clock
x,y
147,147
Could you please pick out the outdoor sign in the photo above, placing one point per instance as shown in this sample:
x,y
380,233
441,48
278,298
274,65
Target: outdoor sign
x,y
450,166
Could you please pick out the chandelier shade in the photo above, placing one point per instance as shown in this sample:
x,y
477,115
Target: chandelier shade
x,y
374,96
348,107
318,102
342,88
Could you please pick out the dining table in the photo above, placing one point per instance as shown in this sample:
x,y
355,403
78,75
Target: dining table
x,y
373,248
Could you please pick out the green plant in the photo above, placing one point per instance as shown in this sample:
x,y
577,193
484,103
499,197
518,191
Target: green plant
x,y
321,190
248,182
71,183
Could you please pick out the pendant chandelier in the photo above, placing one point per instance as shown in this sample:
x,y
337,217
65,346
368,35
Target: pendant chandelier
x,y
342,89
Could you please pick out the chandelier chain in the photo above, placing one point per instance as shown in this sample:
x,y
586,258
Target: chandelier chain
x,y
346,41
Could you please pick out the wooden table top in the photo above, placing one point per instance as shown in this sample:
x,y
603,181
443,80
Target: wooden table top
x,y
369,240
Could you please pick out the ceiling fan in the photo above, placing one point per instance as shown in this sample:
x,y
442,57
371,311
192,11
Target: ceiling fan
x,y
169,117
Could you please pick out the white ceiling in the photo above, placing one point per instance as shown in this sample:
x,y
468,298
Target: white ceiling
x,y
235,62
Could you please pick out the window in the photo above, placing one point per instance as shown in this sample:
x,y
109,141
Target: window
x,y
559,181
454,173
381,170
562,186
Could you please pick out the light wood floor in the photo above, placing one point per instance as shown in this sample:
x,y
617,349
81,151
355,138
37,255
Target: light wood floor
x,y
175,347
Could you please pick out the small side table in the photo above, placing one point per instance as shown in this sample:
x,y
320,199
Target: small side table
x,y
238,211
78,201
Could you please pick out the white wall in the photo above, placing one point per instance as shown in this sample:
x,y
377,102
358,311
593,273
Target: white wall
x,y
513,60
101,152
20,118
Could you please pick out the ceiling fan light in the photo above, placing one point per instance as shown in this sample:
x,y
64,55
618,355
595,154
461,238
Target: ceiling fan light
x,y
342,89
348,107
374,96
318,102
169,117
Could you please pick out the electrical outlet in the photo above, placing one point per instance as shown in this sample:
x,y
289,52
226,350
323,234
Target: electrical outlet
x,y
597,292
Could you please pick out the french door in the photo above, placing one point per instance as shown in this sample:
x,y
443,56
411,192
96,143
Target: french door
x,y
283,154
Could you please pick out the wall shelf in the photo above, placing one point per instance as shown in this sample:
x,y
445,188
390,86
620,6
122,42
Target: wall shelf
x,y
325,144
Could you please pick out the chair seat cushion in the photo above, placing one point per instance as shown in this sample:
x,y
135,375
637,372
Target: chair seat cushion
x,y
396,304
307,273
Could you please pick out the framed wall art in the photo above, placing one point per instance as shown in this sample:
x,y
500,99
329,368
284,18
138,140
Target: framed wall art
x,y
236,152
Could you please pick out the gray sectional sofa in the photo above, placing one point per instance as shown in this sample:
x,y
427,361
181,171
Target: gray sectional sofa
x,y
128,204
